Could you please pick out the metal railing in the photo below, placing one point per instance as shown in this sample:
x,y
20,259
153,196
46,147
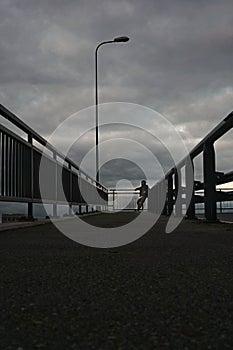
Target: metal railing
x,y
224,203
124,199
20,166
169,190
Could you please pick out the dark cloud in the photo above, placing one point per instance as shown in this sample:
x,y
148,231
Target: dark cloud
x,y
118,169
178,61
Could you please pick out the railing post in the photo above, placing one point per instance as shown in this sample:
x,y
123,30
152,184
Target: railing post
x,y
178,200
169,194
30,204
80,209
2,166
71,191
209,182
113,200
189,183
220,202
55,180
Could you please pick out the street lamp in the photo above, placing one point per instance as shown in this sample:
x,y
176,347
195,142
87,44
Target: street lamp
x,y
119,39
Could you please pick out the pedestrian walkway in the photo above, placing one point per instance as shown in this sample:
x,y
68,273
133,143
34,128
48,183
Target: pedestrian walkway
x,y
163,291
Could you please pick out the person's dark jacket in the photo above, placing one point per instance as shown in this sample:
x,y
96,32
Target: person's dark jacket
x,y
143,190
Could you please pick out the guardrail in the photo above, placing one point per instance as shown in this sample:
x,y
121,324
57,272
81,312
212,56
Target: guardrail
x,y
170,191
20,165
124,199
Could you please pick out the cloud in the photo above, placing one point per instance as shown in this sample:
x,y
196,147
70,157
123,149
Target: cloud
x,y
178,61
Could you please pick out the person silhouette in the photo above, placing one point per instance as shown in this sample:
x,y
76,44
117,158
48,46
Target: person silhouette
x,y
143,194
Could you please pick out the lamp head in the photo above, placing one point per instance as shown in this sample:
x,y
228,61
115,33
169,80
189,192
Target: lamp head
x,y
121,39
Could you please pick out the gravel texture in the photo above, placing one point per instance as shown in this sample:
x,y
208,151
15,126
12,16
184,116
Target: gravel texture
x,y
164,291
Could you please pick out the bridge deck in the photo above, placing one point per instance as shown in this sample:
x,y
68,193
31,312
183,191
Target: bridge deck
x,y
161,292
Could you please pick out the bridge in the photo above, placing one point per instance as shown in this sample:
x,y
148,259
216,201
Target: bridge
x,y
163,291
20,176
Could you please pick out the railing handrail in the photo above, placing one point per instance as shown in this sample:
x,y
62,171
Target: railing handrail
x,y
218,131
123,189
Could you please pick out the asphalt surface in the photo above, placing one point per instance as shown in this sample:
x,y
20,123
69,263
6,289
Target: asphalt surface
x,y
164,291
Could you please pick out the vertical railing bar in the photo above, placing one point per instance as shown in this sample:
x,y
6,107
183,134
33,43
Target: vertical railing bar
x,y
10,166
17,167
28,153
1,163
20,171
30,176
31,167
28,191
6,167
71,190
14,168
25,171
56,170
26,178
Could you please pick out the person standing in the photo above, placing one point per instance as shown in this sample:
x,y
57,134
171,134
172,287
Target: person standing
x,y
143,194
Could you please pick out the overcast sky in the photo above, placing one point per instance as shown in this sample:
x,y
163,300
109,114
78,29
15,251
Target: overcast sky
x,y
178,62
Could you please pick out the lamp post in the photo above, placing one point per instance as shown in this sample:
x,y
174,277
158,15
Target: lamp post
x,y
119,39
